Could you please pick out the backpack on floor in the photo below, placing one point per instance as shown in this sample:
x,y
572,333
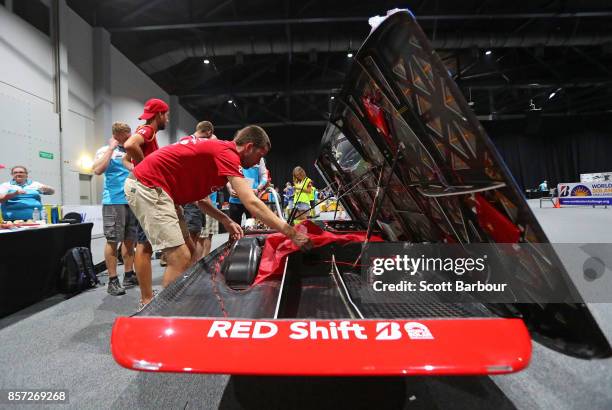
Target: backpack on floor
x,y
78,272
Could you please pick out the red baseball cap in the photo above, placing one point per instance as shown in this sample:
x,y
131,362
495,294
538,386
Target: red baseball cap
x,y
152,107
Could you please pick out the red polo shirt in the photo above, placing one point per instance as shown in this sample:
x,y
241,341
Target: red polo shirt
x,y
150,139
190,170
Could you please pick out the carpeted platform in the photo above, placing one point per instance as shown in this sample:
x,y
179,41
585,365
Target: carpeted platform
x,y
65,345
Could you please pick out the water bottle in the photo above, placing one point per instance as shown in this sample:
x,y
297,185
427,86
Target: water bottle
x,y
43,214
54,215
36,214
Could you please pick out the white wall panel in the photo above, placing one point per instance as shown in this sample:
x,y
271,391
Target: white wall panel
x,y
130,88
27,96
187,123
29,127
80,65
26,57
78,142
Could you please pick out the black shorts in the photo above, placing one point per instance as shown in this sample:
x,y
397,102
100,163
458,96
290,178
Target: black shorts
x,y
236,211
142,236
193,218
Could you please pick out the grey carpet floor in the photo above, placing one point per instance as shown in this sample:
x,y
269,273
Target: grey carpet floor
x,y
64,344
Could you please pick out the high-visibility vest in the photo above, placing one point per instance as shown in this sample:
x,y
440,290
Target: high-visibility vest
x,y
300,195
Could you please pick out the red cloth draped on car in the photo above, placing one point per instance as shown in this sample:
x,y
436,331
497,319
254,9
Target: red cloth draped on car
x,y
278,246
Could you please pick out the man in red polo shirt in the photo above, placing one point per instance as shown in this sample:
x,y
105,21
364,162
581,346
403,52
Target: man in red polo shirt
x,y
188,172
140,145
144,141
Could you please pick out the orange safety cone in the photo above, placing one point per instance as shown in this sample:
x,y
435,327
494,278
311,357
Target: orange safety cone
x,y
557,203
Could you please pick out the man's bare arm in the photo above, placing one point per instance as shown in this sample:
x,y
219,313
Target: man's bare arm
x,y
208,208
133,147
127,162
231,227
257,208
10,195
46,190
100,164
261,211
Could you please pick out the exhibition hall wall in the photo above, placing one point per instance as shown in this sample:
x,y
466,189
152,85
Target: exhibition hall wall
x,y
98,85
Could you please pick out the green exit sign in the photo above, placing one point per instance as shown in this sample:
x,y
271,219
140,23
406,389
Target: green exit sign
x,y
46,155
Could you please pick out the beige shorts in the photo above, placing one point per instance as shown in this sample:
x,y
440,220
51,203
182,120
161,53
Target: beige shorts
x,y
211,228
157,215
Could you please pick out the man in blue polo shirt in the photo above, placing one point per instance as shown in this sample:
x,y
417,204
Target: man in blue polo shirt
x,y
20,196
120,224
258,176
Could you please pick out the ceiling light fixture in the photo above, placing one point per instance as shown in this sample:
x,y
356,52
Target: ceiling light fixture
x,y
206,61
332,97
554,93
488,52
349,55
230,101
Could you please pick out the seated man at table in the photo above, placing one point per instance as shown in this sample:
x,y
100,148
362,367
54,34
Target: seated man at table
x,y
20,196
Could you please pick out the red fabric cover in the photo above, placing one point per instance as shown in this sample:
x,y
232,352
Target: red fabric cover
x,y
496,224
278,246
376,116
190,170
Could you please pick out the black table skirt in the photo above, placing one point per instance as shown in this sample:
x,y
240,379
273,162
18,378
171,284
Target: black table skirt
x,y
30,263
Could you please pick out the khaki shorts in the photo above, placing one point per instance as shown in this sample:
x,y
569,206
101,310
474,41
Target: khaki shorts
x,y
155,210
211,228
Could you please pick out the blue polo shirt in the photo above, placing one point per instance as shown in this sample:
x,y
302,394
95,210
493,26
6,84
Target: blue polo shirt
x,y
213,199
253,174
22,206
114,177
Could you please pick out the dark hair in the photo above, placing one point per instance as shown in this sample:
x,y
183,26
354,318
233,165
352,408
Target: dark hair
x,y
19,166
254,134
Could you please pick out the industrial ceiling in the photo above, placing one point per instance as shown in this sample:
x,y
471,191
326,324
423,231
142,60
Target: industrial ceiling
x,y
279,62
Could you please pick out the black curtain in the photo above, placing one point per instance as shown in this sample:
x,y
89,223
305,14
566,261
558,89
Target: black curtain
x,y
291,146
557,149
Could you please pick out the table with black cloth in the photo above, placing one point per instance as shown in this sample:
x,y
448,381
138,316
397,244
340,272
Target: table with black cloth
x,y
30,262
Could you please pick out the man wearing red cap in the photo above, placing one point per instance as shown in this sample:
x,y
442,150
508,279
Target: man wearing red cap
x,y
140,145
144,140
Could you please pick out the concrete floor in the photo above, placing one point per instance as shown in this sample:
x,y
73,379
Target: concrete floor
x,y
64,344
